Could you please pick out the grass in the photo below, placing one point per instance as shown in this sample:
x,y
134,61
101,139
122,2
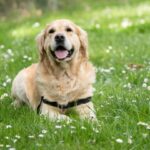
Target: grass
x,y
119,36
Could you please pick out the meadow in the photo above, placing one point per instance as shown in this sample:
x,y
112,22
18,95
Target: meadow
x,y
119,48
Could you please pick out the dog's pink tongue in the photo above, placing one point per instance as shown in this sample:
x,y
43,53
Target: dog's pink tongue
x,y
61,54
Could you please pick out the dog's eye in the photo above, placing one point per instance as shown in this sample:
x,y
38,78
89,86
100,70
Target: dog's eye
x,y
68,29
51,31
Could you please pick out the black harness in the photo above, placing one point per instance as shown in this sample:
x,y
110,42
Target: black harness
x,y
63,107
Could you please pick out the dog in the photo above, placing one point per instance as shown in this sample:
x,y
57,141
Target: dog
x,y
63,78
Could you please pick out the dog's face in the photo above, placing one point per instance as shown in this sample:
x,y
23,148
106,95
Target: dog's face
x,y
62,40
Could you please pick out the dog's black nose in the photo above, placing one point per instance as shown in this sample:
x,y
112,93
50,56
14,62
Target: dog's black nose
x,y
59,38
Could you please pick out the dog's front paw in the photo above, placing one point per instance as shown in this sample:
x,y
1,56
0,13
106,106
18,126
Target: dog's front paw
x,y
64,117
93,118
89,117
59,117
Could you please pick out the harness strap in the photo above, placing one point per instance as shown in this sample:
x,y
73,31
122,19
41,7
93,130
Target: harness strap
x,y
38,108
69,105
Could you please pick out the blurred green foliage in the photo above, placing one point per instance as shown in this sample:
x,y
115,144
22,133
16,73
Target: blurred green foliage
x,y
7,6
26,7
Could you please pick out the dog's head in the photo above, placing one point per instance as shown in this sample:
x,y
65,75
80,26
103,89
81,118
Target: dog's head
x,y
61,41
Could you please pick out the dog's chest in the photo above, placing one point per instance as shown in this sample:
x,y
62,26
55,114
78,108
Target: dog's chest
x,y
65,88
65,85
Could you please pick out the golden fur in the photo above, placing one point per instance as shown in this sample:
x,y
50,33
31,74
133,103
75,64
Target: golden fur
x,y
60,81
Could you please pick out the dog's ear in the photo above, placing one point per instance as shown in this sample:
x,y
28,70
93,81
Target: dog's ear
x,y
84,42
40,43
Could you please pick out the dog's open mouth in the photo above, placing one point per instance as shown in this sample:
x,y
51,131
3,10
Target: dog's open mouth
x,y
62,53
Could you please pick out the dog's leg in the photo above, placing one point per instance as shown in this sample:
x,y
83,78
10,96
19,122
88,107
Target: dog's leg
x,y
86,111
53,113
57,116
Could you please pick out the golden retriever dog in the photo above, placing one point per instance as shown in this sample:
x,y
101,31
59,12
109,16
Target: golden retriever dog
x,y
63,77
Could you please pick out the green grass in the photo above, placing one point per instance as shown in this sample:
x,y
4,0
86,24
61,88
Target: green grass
x,y
120,99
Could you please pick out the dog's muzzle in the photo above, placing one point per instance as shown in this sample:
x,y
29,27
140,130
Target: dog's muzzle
x,y
61,52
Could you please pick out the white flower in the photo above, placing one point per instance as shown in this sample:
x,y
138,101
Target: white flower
x,y
4,84
144,85
25,56
144,135
95,130
8,126
148,88
146,80
6,56
110,47
2,46
126,23
97,26
142,123
103,70
129,85
133,101
9,51
72,127
8,80
9,54
110,97
8,146
6,137
142,21
12,60
101,93
14,140
44,131
17,136
123,71
107,51
112,68
12,148
41,135
83,128
148,127
130,140
93,89
4,95
29,58
102,106
119,140
31,136
36,24
58,126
